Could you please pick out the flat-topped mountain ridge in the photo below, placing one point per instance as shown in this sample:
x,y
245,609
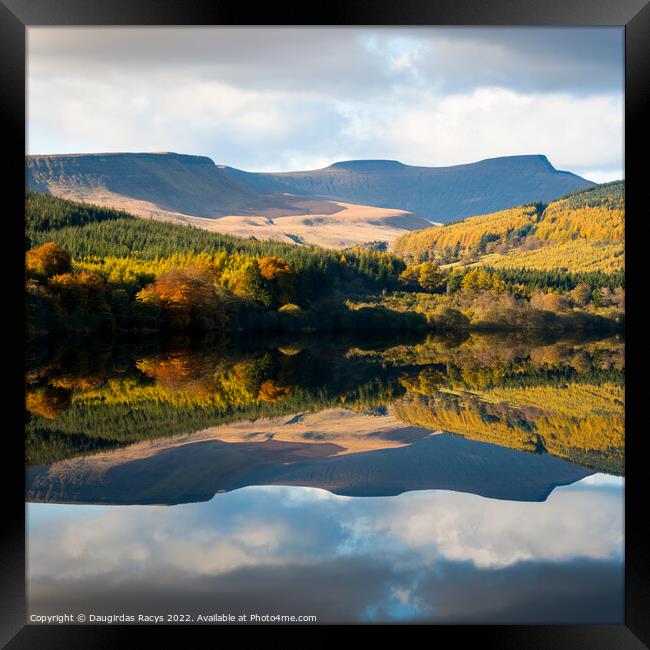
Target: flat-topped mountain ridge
x,y
437,193
192,185
349,202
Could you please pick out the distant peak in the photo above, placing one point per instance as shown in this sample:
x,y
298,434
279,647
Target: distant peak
x,y
367,165
529,160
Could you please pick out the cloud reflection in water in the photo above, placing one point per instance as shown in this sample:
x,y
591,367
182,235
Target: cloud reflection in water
x,y
432,555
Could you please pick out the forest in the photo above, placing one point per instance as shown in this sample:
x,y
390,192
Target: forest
x,y
96,270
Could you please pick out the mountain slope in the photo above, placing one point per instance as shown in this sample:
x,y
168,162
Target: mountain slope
x,y
193,190
342,205
437,193
173,182
583,231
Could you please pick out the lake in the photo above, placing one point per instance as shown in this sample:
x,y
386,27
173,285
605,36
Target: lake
x,y
413,478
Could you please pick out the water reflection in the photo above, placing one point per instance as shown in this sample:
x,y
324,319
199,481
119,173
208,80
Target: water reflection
x,y
194,468
232,413
432,555
494,464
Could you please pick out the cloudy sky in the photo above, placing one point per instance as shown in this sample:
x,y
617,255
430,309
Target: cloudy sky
x,y
276,99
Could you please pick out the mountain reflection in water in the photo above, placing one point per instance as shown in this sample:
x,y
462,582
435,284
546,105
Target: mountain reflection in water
x,y
507,453
180,424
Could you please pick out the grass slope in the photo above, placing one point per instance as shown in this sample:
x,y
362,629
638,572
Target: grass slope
x,y
583,231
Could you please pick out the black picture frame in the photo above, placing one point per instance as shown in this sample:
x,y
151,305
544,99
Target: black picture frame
x,y
634,15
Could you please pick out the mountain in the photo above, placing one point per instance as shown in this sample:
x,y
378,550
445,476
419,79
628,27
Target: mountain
x,y
171,182
193,190
347,203
436,193
582,231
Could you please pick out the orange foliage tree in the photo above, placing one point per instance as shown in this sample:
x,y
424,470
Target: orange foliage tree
x,y
187,297
480,280
48,402
272,391
48,259
281,277
81,291
426,276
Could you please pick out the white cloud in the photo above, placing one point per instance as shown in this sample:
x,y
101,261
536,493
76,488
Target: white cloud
x,y
280,99
601,175
571,131
492,533
289,526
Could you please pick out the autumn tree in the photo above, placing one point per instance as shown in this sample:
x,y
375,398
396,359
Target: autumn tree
x,y
498,284
549,301
48,259
581,294
425,276
272,391
188,298
48,402
81,292
477,280
290,308
606,297
281,278
430,277
81,299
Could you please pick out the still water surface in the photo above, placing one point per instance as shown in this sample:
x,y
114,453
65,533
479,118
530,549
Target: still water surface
x,y
355,480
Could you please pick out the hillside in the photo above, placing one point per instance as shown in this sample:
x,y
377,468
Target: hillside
x,y
440,194
348,203
582,231
330,224
93,269
164,182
